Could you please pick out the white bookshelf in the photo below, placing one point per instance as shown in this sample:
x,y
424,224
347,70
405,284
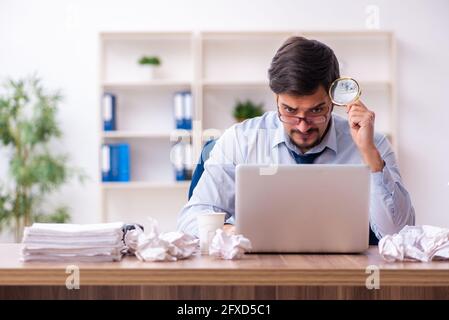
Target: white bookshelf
x,y
218,68
146,84
121,134
144,185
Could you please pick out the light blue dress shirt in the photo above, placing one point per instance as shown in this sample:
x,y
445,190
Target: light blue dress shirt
x,y
263,140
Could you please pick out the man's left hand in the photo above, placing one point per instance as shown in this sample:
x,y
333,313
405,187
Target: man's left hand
x,y
361,124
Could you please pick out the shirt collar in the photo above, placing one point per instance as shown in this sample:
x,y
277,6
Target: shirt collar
x,y
329,140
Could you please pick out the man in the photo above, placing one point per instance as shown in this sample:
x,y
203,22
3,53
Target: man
x,y
303,130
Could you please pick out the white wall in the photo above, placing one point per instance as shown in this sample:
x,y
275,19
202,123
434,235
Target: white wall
x,y
58,39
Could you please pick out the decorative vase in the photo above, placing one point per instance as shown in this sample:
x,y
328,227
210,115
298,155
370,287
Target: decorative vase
x,y
151,71
147,72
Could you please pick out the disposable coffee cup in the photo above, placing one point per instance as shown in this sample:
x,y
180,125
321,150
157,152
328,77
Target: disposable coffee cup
x,y
208,223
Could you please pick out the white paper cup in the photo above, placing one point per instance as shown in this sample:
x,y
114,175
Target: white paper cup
x,y
208,223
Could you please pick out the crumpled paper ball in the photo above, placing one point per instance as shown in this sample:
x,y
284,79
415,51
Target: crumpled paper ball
x,y
416,243
170,246
227,246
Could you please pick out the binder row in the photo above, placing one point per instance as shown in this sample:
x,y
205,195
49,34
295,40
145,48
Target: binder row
x,y
116,156
181,153
115,162
183,110
181,157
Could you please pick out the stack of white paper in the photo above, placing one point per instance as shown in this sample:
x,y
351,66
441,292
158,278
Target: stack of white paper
x,y
73,242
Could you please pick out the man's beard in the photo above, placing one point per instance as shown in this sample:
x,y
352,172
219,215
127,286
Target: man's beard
x,y
308,145
304,147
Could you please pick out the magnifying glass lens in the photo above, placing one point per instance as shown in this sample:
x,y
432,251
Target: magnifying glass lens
x,y
344,91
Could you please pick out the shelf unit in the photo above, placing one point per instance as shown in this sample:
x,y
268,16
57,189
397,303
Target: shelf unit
x,y
145,135
144,185
218,68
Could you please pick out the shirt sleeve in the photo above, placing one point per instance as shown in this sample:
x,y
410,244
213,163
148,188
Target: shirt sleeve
x,y
390,208
215,190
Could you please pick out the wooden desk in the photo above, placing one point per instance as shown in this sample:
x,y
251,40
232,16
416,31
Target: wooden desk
x,y
257,276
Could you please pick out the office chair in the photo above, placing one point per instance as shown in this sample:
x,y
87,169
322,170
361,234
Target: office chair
x,y
199,169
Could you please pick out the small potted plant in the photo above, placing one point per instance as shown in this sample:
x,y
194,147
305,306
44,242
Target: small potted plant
x,y
246,110
150,62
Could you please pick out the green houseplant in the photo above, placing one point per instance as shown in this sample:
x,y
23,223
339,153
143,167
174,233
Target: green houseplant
x,y
247,109
27,127
150,62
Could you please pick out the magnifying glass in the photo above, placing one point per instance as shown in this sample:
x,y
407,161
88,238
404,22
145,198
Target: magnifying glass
x,y
344,91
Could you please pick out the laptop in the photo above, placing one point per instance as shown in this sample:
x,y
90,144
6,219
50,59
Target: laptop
x,y
303,208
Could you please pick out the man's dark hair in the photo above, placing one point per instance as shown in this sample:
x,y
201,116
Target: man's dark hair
x,y
301,65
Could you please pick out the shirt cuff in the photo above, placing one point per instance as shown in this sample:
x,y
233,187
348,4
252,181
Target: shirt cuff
x,y
383,180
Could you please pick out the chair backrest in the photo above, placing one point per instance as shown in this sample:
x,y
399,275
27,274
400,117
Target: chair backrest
x,y
200,166
199,169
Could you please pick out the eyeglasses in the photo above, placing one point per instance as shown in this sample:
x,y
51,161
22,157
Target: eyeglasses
x,y
295,120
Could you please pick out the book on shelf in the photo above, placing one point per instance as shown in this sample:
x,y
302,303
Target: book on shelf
x,y
181,154
115,162
183,108
109,111
187,108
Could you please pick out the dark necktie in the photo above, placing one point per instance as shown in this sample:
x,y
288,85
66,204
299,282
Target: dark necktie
x,y
308,158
